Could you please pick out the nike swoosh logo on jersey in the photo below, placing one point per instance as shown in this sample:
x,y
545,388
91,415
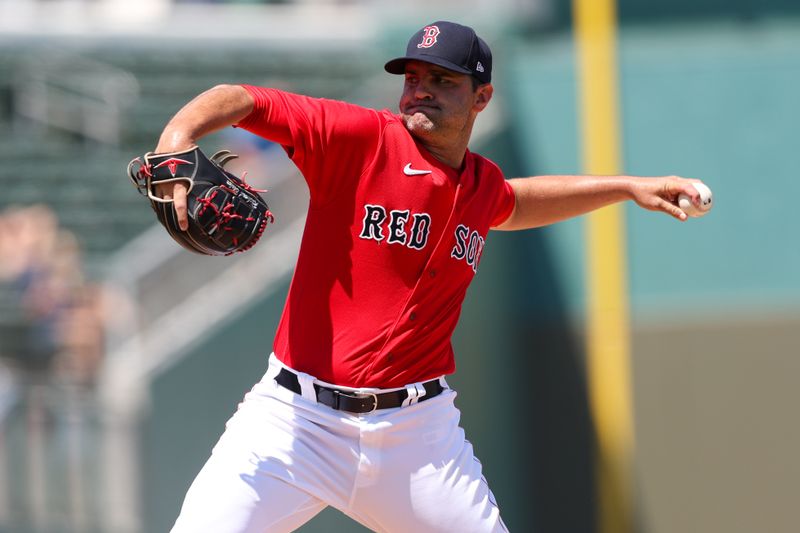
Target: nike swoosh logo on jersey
x,y
408,171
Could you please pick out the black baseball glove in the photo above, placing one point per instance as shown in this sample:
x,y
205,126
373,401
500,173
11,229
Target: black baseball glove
x,y
226,215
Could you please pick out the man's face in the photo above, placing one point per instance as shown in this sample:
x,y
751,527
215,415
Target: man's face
x,y
438,103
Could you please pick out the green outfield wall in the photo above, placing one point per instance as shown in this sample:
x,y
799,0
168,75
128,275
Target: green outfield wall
x,y
715,303
713,102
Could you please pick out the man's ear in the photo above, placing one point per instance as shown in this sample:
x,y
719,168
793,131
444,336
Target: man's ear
x,y
482,96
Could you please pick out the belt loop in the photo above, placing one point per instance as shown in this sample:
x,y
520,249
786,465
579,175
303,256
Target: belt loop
x,y
307,386
273,368
421,391
415,394
411,399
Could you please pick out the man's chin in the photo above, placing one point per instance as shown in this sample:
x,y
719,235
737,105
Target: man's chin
x,y
418,122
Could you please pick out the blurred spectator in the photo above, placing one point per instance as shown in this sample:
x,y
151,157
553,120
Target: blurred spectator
x,y
52,317
52,323
27,240
81,332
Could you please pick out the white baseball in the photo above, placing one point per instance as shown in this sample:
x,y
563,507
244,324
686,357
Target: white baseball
x,y
706,201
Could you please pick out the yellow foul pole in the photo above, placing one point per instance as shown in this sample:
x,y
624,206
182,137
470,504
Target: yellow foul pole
x,y
608,335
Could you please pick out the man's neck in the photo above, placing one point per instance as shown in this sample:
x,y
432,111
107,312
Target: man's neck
x,y
450,153
449,147
448,156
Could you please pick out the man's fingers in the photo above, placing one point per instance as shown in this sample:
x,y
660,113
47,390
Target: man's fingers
x,y
666,199
684,186
176,191
692,193
179,203
164,191
673,210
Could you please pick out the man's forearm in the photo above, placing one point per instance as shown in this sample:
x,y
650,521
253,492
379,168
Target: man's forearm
x,y
544,200
217,108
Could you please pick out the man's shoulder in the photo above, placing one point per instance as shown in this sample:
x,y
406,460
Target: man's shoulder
x,y
332,105
357,113
484,166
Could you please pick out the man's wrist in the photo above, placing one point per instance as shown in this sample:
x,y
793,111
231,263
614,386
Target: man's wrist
x,y
174,140
627,186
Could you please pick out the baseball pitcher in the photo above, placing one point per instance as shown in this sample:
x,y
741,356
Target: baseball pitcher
x,y
354,410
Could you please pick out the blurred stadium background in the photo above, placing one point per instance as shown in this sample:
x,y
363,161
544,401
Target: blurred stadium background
x,y
116,379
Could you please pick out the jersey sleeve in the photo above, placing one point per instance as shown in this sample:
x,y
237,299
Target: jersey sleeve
x,y
504,203
331,142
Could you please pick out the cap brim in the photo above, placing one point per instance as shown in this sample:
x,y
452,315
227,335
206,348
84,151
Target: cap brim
x,y
398,65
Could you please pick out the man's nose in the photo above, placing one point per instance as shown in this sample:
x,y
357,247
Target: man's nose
x,y
422,91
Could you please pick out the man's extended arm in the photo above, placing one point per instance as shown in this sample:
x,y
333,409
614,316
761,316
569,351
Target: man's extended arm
x,y
543,200
216,108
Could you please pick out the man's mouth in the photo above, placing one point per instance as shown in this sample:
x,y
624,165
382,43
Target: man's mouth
x,y
420,108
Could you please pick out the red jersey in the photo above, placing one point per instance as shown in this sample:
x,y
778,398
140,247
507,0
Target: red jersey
x,y
393,239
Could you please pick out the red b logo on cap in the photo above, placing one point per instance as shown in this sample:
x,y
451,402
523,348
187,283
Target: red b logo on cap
x,y
429,37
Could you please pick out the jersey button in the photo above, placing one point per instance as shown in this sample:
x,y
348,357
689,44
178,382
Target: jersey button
x,y
432,273
412,316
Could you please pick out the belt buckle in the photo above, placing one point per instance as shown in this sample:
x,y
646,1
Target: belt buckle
x,y
374,405
357,395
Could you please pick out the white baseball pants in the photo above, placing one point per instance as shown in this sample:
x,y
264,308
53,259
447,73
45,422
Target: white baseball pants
x,y
283,458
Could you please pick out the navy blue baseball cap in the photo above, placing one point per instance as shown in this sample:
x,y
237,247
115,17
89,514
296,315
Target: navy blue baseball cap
x,y
449,45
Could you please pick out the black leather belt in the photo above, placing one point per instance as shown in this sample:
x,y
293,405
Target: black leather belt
x,y
356,402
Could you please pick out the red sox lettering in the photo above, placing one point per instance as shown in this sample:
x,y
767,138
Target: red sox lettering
x,y
378,226
469,246
375,216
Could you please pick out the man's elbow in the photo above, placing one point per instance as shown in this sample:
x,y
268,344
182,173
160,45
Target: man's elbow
x,y
510,223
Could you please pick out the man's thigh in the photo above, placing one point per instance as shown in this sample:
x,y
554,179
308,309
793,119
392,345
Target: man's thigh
x,y
275,467
230,497
425,476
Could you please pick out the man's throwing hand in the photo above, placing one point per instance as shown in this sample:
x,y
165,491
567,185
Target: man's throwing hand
x,y
661,194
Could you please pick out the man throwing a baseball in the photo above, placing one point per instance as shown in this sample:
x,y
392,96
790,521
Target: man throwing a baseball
x,y
354,410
